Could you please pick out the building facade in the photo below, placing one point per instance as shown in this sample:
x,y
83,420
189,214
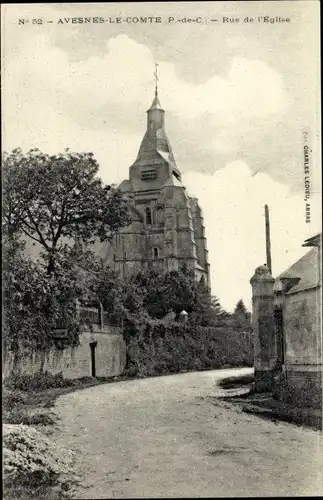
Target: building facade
x,y
298,311
287,323
167,227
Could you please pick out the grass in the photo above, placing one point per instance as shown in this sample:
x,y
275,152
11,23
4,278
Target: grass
x,y
269,408
264,405
40,391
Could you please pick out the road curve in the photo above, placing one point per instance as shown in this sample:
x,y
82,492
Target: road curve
x,y
165,437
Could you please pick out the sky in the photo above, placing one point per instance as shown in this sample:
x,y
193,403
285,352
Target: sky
x,y
238,98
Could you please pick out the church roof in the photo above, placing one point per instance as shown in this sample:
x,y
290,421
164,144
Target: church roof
x,y
305,269
314,241
172,181
156,104
155,144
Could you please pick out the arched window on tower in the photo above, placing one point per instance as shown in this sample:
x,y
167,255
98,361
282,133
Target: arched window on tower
x,y
148,217
159,215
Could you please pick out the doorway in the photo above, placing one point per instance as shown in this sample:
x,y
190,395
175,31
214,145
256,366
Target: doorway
x,y
279,327
93,367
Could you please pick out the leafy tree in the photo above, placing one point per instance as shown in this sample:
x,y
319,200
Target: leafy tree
x,y
154,294
161,293
59,202
35,303
100,282
53,199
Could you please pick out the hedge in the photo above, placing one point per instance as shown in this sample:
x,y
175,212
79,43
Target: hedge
x,y
162,349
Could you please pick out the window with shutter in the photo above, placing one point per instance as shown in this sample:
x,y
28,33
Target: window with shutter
x,y
149,175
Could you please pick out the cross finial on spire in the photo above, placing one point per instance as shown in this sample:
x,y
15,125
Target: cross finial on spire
x,y
156,78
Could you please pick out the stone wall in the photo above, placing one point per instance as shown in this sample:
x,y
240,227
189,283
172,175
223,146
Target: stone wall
x,y
110,357
303,386
302,327
303,355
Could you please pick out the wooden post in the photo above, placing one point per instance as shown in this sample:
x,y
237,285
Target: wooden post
x,y
268,249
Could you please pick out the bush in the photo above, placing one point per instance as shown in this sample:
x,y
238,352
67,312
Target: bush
x,y
12,398
40,381
22,415
31,460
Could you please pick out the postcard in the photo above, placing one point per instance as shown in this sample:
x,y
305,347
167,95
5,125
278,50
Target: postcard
x,y
162,249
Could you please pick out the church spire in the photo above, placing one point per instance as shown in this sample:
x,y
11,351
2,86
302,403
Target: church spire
x,y
155,144
156,104
156,79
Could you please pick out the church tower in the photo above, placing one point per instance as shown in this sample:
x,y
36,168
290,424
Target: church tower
x,y
167,228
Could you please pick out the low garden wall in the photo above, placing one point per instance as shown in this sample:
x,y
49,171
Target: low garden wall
x,y
101,350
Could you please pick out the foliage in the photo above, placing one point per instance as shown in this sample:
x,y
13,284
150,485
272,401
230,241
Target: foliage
x,y
35,302
11,398
99,281
19,414
175,291
241,317
240,308
27,398
210,312
31,460
39,381
149,294
57,198
59,202
171,347
161,293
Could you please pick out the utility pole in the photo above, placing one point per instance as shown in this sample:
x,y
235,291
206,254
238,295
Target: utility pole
x,y
268,249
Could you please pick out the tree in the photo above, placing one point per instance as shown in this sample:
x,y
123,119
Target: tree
x,y
240,308
176,291
59,198
241,317
35,303
212,312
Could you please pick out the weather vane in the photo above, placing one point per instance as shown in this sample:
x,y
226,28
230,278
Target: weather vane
x,y
156,77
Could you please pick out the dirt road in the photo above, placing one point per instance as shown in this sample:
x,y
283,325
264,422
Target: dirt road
x,y
165,437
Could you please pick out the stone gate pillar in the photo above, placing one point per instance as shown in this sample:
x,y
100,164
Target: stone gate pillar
x,y
265,349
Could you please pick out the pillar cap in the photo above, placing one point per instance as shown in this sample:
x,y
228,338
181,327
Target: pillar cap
x,y
262,273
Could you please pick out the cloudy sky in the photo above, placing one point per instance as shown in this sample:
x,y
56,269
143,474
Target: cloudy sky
x,y
238,97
